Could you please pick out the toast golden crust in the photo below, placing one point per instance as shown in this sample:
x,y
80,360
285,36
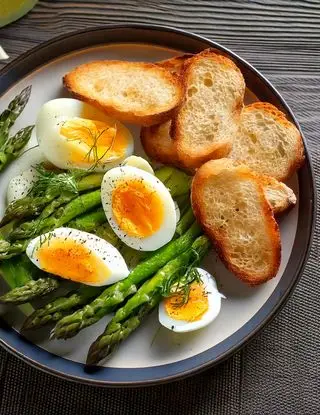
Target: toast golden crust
x,y
283,157
175,64
146,93
213,133
280,197
219,235
158,144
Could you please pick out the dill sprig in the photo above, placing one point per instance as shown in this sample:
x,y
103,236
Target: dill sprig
x,y
56,181
180,281
93,150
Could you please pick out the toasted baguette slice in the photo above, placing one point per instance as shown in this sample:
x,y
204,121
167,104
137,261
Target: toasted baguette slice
x,y
280,197
209,116
141,93
231,206
175,65
156,140
158,144
268,142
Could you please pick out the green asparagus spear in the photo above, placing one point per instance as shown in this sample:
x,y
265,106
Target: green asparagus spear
x,y
89,222
107,344
16,273
57,308
9,115
34,204
8,228
128,317
13,146
51,208
70,325
62,216
31,290
175,180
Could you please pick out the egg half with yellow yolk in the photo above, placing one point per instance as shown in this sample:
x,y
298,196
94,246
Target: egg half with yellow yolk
x,y
202,307
138,207
77,256
73,134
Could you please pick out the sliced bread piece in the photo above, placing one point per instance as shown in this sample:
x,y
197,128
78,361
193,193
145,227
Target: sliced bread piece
x,y
267,142
141,93
175,64
280,196
156,140
158,144
231,206
209,116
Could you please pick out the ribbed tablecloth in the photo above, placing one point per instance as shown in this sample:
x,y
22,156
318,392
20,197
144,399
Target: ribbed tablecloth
x,y
279,371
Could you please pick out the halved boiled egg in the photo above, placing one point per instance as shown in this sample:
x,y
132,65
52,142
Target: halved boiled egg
x,y
20,185
139,163
202,307
77,256
73,134
138,207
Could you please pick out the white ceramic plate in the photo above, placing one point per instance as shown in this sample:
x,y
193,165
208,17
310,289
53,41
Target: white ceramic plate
x,y
152,353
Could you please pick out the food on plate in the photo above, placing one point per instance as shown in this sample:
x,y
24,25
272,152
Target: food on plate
x,y
138,207
11,146
175,64
98,215
158,144
77,206
231,206
30,290
209,116
128,317
58,307
200,307
73,134
135,92
112,296
50,191
279,195
177,181
20,186
139,163
78,256
267,141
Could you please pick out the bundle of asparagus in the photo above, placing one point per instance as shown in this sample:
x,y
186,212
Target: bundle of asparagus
x,y
78,205
11,147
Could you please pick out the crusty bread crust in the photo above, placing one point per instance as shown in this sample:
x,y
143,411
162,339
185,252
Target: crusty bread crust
x,y
158,144
194,156
152,111
175,64
280,197
294,154
218,236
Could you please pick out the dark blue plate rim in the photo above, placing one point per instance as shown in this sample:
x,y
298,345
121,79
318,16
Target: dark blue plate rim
x,y
189,42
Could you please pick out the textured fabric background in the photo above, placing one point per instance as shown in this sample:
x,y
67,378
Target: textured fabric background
x,y
278,372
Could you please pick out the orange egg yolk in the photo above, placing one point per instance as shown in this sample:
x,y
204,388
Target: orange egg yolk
x,y
97,140
137,208
72,260
195,307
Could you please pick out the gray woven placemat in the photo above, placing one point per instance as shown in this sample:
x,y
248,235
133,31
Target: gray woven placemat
x,y
278,372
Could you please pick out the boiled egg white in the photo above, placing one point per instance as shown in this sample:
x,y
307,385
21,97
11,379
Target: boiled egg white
x,y
139,163
77,256
138,207
19,186
202,307
73,134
